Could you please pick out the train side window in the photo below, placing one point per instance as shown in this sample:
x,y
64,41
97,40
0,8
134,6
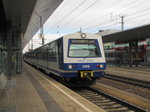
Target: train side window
x,y
52,52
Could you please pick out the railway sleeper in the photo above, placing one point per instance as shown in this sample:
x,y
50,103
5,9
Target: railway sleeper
x,y
123,109
105,103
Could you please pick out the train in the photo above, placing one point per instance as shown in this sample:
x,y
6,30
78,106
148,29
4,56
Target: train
x,y
119,54
76,58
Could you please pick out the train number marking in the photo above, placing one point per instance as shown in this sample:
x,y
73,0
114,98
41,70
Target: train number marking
x,y
85,66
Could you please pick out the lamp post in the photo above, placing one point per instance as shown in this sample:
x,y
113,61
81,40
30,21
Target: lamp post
x,y
41,28
122,20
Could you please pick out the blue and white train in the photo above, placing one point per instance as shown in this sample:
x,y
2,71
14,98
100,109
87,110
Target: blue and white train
x,y
76,58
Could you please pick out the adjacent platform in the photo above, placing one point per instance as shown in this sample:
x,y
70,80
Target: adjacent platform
x,y
138,73
35,92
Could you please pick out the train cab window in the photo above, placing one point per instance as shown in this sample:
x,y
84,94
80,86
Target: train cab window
x,y
84,48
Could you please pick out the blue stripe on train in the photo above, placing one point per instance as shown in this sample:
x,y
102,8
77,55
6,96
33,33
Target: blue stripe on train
x,y
84,66
73,74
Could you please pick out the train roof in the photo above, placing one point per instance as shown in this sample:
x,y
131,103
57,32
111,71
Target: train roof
x,y
62,37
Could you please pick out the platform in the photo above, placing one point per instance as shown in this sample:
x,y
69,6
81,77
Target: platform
x,y
35,92
138,73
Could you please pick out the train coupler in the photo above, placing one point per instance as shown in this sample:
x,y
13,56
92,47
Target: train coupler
x,y
86,74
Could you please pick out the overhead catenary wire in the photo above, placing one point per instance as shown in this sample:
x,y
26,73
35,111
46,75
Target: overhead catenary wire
x,y
110,21
76,15
114,19
68,14
104,22
91,22
106,15
131,19
84,11
101,10
58,10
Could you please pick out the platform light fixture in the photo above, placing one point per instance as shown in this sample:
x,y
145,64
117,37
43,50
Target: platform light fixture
x,y
41,27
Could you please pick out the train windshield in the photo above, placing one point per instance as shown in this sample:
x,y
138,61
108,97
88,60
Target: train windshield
x,y
84,48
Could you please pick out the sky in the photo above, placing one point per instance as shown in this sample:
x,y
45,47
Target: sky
x,y
92,16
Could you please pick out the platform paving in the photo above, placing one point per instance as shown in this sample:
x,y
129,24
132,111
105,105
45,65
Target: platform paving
x,y
30,92
24,93
138,73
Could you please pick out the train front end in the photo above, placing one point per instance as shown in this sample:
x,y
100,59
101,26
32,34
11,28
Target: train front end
x,y
83,58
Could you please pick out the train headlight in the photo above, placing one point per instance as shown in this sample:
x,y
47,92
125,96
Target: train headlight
x,y
70,66
101,65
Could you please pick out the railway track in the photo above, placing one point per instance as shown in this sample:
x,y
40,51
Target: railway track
x,y
105,101
129,81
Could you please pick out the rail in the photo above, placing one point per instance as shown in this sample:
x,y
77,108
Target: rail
x,y
106,101
129,80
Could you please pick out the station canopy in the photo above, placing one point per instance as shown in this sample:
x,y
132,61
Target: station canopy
x,y
24,14
139,33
